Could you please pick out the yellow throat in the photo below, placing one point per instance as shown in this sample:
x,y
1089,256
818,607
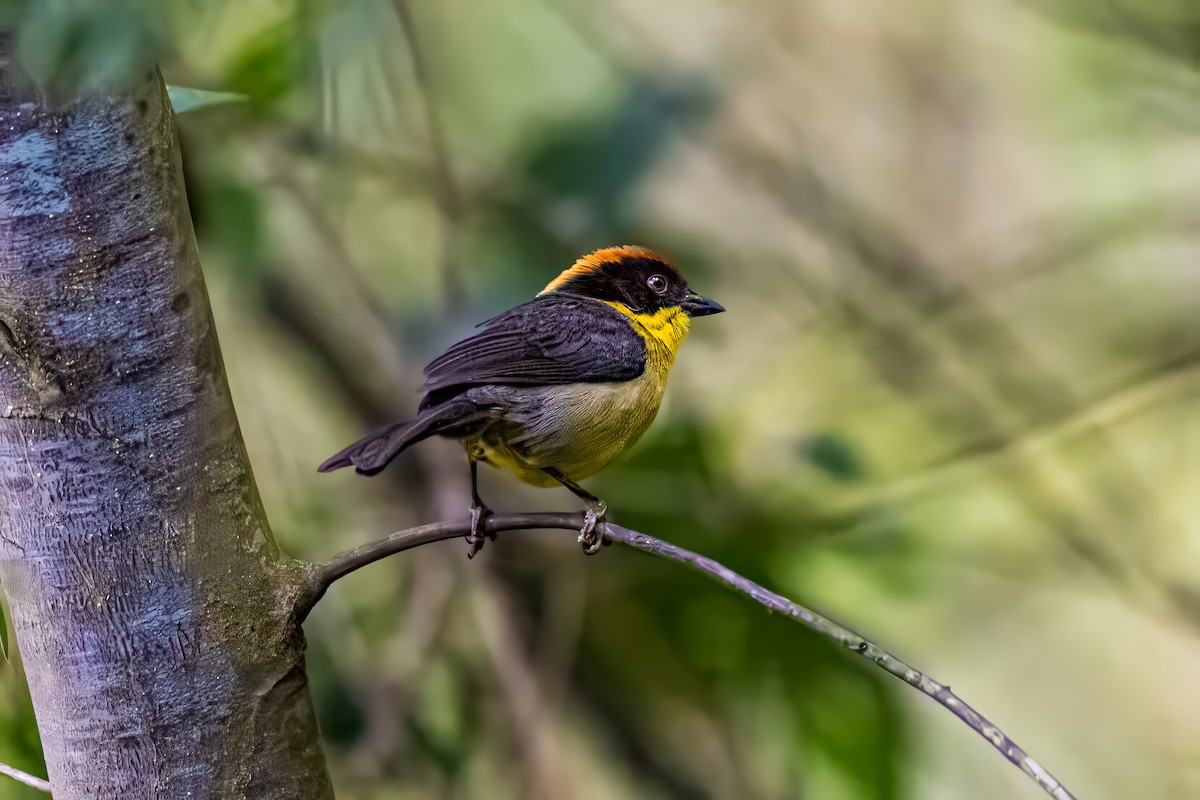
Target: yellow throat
x,y
664,332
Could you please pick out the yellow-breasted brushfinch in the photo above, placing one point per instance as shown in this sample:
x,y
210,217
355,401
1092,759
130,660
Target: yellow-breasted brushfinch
x,y
554,389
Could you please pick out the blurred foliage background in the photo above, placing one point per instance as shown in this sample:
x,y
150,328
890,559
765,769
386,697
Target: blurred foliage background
x,y
953,403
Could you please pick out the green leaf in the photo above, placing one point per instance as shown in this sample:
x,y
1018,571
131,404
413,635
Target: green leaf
x,y
185,99
603,159
269,65
227,211
835,456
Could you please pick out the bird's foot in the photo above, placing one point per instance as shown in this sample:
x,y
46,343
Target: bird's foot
x,y
479,533
589,537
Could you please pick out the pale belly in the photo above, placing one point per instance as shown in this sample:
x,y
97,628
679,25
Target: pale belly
x,y
577,429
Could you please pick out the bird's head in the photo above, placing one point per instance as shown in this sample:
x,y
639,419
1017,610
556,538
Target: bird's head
x,y
640,279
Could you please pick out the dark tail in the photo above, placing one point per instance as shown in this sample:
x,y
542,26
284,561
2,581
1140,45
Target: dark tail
x,y
371,454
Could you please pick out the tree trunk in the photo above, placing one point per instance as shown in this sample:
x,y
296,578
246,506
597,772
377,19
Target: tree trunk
x,y
154,613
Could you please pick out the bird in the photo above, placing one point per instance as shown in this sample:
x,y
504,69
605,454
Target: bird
x,y
554,389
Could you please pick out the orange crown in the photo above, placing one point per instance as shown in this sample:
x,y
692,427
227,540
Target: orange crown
x,y
594,261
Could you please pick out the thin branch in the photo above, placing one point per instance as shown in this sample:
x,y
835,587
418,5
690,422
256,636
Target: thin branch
x,y
25,778
448,196
323,576
537,737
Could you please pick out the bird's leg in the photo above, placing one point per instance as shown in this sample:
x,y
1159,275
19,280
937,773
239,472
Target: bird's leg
x,y
589,537
479,514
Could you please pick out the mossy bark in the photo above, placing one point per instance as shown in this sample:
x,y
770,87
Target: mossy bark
x,y
154,613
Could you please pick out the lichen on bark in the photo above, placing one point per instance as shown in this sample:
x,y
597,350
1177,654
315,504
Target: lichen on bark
x,y
152,608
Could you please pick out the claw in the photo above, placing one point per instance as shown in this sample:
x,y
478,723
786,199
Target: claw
x,y
478,535
590,538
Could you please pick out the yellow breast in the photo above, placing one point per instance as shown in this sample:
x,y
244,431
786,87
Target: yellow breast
x,y
583,427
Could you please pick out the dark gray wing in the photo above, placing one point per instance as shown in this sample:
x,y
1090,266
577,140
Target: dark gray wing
x,y
552,339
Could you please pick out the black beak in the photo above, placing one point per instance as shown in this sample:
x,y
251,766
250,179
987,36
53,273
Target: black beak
x,y
695,305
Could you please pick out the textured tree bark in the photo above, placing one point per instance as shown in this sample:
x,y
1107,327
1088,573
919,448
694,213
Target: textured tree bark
x,y
154,613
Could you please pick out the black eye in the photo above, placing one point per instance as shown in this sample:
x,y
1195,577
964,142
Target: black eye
x,y
657,283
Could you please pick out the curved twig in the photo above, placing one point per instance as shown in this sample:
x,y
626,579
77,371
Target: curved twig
x,y
323,576
25,778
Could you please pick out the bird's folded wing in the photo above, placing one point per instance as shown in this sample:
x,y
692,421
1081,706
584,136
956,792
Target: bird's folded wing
x,y
553,339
